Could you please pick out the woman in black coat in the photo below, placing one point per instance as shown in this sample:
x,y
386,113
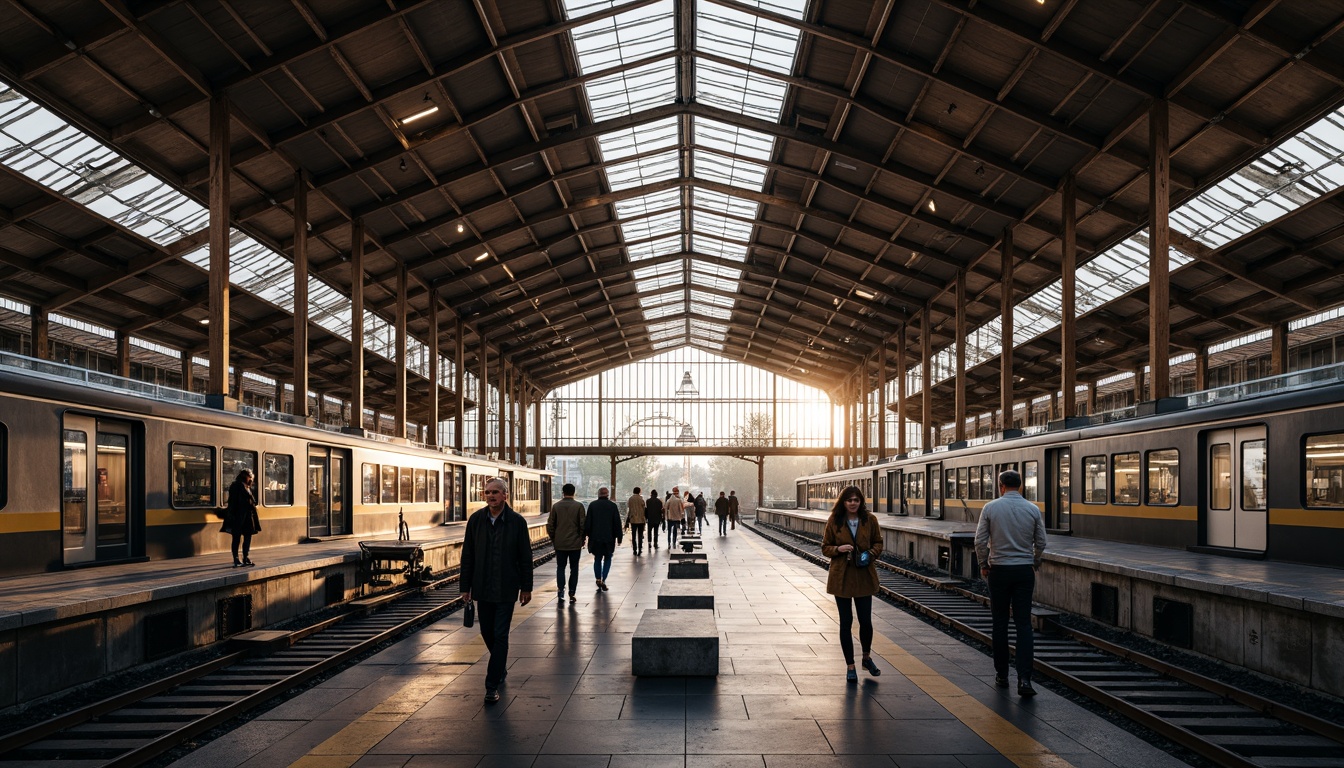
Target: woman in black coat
x,y
240,517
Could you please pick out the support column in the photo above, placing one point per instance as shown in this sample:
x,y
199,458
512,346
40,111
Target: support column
x,y
1091,398
279,396
1159,259
926,354
847,418
399,415
357,324
432,404
1278,349
1201,369
187,372
459,384
1138,384
866,437
237,388
123,355
301,294
1007,302
523,396
502,426
882,401
901,367
536,431
959,431
611,487
221,169
39,340
482,398
1068,340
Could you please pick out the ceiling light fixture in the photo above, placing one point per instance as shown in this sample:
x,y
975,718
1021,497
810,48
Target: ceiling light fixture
x,y
484,255
862,294
933,207
524,166
460,228
403,164
422,113
846,166
507,271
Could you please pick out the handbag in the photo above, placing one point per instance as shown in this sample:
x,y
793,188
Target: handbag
x,y
861,559
469,614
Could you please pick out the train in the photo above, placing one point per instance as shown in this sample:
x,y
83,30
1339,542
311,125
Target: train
x,y
1254,470
96,469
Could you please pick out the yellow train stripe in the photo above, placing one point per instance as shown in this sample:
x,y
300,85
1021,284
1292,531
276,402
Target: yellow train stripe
x,y
1144,512
209,516
1009,740
29,522
1307,518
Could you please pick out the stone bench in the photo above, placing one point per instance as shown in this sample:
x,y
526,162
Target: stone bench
x,y
687,556
670,643
688,569
685,595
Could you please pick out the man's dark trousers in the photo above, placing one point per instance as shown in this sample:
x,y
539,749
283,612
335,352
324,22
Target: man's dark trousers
x,y
568,557
637,536
495,619
1012,586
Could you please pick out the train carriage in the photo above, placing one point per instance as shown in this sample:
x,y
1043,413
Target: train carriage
x,y
1254,471
144,478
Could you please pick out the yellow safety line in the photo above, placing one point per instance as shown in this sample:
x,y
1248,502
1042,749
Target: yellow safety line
x,y
354,741
1003,736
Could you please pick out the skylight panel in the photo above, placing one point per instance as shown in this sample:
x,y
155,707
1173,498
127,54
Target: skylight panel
x,y
730,139
710,331
713,246
702,298
647,204
711,167
642,228
625,37
738,90
656,278
714,276
741,36
648,249
658,135
709,310
666,329
634,90
667,343
726,205
644,170
668,309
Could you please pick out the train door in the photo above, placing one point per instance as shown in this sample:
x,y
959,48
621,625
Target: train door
x,y
1058,507
933,491
328,500
449,491
1238,512
895,492
100,520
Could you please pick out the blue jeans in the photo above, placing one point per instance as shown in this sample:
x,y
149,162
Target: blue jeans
x,y
601,566
568,557
1011,586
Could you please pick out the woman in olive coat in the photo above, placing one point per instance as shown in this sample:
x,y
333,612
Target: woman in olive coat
x,y
850,532
240,517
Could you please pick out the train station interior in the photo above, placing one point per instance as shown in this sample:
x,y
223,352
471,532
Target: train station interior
x,y
378,253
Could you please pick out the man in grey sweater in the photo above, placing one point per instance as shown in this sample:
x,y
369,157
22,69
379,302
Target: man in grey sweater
x,y
565,527
1009,542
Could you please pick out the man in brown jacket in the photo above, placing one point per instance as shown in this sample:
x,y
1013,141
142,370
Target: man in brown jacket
x,y
634,520
565,527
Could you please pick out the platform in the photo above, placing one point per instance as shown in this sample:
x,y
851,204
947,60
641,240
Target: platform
x,y
1283,619
62,629
780,699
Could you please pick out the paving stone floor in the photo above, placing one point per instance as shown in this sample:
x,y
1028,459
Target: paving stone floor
x,y
780,700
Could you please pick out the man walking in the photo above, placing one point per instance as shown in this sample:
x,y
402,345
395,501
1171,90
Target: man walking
x,y
565,527
673,511
1009,541
635,519
732,508
653,511
603,529
721,511
701,510
496,571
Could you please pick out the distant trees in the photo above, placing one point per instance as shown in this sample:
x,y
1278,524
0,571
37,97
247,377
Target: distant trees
x,y
728,473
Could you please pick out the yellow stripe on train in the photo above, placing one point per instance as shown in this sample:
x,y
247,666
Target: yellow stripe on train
x,y
1181,513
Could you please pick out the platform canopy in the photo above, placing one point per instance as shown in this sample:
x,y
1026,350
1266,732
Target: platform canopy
x,y
788,184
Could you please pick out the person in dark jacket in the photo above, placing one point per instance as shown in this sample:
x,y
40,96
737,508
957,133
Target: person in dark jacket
x,y
496,572
721,511
850,532
240,517
653,510
565,527
603,529
701,512
732,508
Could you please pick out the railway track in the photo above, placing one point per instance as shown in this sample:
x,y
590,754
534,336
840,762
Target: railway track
x,y
1229,726
139,725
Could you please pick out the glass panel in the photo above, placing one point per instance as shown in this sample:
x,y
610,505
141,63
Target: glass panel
x,y
914,486
370,484
432,486
950,489
1094,480
193,475
991,486
389,492
1253,475
1029,474
961,484
420,489
1125,478
338,511
279,488
235,461
1325,471
406,485
75,481
317,492
1164,477
113,473
1063,487
1220,492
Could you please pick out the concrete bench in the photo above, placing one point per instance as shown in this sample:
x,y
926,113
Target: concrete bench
x,y
688,569
687,556
670,643
688,595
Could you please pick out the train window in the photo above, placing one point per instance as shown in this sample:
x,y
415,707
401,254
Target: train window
x,y
388,484
1004,468
406,485
1164,471
1220,492
421,492
987,481
1030,470
1094,480
962,490
236,461
950,487
1125,477
973,484
432,486
193,475
914,485
1325,471
1253,475
278,490
369,485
